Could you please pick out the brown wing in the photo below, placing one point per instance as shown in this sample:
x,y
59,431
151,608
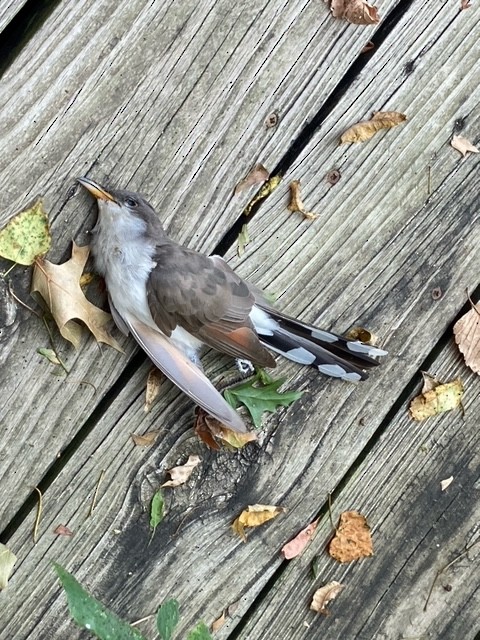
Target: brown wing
x,y
205,297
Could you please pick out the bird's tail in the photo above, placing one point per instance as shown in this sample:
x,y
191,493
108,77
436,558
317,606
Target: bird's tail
x,y
331,354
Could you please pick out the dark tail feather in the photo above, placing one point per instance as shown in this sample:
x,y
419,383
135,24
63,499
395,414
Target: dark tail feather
x,y
330,353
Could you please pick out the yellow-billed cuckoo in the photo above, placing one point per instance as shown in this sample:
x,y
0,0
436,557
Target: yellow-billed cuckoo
x,y
175,300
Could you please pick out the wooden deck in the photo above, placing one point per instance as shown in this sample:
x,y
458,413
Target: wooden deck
x,y
170,99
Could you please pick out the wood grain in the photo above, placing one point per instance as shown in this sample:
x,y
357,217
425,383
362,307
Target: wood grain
x,y
8,10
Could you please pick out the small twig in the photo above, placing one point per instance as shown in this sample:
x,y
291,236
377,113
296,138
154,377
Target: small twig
x,y
85,382
134,624
38,516
20,302
95,495
330,511
52,344
440,571
429,181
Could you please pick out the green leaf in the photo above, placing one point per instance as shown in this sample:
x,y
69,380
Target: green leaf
x,y
242,240
50,355
168,616
156,510
260,398
200,632
26,236
90,614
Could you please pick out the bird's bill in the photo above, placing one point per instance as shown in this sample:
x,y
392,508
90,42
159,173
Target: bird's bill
x,y
96,190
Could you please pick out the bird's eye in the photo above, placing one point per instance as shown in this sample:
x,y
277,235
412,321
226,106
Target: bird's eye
x,y
131,202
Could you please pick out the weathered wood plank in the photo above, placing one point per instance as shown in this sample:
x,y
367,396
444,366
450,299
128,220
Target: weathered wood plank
x,y
317,440
161,97
8,10
417,529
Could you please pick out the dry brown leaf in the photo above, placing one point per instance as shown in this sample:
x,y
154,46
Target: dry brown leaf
x,y
7,562
354,11
210,431
59,286
465,4
429,381
179,475
219,622
352,539
295,547
154,382
257,175
362,334
463,145
296,205
467,336
368,47
62,530
145,440
444,484
443,397
362,131
323,596
254,516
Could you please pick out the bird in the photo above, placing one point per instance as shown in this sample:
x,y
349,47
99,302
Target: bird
x,y
175,301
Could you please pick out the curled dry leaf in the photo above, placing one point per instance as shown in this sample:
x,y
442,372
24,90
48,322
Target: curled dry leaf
x,y
59,286
467,336
253,516
352,539
154,382
362,131
354,11
211,431
219,622
27,236
323,596
440,398
7,562
180,475
257,175
444,484
362,334
295,547
463,145
296,205
145,440
465,4
62,530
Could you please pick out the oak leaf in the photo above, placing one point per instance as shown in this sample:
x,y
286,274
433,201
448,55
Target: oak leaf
x,y
463,145
362,131
436,399
354,11
323,596
467,336
211,431
295,547
179,475
254,516
257,175
296,204
352,539
26,236
59,286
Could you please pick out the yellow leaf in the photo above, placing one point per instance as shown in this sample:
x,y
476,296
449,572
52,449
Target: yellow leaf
x,y
367,129
26,236
59,286
253,516
324,595
444,397
265,190
7,562
180,475
352,539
